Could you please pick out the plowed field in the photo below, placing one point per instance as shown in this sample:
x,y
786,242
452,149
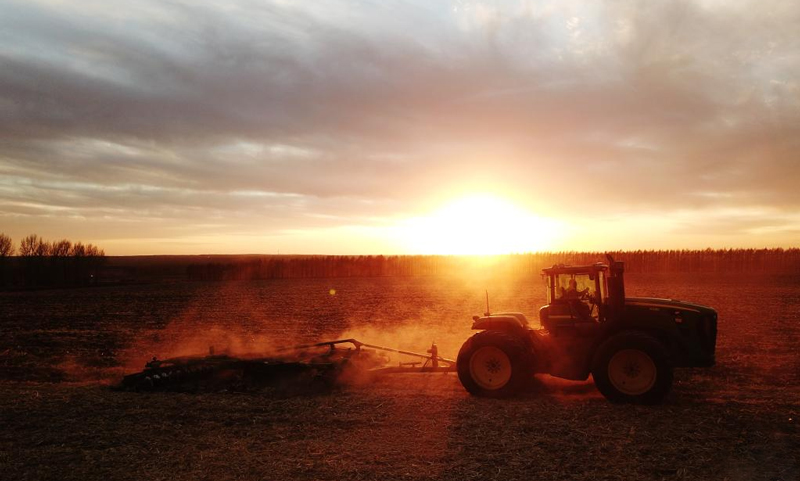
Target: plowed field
x,y
61,349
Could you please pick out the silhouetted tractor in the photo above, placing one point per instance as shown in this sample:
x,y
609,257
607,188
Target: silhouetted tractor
x,y
629,345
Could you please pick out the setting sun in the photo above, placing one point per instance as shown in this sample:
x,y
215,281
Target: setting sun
x,y
482,225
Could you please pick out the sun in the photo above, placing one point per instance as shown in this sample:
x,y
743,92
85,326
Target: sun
x,y
480,225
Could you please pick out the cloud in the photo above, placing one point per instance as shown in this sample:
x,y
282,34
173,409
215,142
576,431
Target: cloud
x,y
357,112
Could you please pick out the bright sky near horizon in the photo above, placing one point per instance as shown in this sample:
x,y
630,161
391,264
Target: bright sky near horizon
x,y
388,127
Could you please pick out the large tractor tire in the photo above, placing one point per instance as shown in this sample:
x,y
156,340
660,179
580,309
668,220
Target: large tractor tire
x,y
632,367
494,364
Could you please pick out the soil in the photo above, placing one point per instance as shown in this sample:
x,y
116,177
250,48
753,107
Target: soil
x,y
61,350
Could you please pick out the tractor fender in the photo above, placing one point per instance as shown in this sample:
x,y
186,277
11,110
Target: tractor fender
x,y
504,321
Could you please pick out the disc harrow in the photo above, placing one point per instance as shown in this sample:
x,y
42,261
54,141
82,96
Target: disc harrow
x,y
308,367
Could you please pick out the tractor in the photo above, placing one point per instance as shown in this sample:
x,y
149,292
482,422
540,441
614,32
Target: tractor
x,y
629,345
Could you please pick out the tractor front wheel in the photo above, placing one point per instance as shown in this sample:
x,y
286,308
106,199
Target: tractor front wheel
x,y
494,364
632,367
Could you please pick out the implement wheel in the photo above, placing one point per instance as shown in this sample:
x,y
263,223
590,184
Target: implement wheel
x,y
632,367
494,364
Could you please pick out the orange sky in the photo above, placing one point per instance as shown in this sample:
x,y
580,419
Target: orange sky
x,y
400,127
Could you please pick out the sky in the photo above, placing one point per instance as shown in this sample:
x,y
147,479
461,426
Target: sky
x,y
385,127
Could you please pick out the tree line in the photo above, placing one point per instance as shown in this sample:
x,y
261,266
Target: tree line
x,y
40,263
640,261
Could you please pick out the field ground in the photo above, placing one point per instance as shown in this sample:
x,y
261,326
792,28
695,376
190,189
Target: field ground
x,y
60,349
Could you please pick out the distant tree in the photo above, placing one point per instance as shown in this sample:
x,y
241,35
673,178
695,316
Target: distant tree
x,y
6,246
78,250
61,248
34,246
43,248
34,249
28,245
60,262
88,259
94,251
6,251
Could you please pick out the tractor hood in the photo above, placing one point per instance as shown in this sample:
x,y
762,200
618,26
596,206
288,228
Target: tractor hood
x,y
501,320
668,304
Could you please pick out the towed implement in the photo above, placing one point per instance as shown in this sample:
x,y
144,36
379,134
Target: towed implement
x,y
306,367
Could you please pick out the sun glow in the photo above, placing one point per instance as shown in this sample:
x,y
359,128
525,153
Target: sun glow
x,y
480,225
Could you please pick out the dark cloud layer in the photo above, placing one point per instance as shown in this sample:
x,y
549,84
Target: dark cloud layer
x,y
305,115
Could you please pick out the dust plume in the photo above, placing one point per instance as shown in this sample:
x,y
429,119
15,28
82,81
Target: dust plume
x,y
183,337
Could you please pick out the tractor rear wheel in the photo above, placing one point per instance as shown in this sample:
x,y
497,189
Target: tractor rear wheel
x,y
632,367
494,364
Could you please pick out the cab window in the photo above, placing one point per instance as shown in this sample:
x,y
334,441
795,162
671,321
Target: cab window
x,y
580,291
574,286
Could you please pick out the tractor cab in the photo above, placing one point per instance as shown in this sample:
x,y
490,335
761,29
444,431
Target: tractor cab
x,y
581,297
